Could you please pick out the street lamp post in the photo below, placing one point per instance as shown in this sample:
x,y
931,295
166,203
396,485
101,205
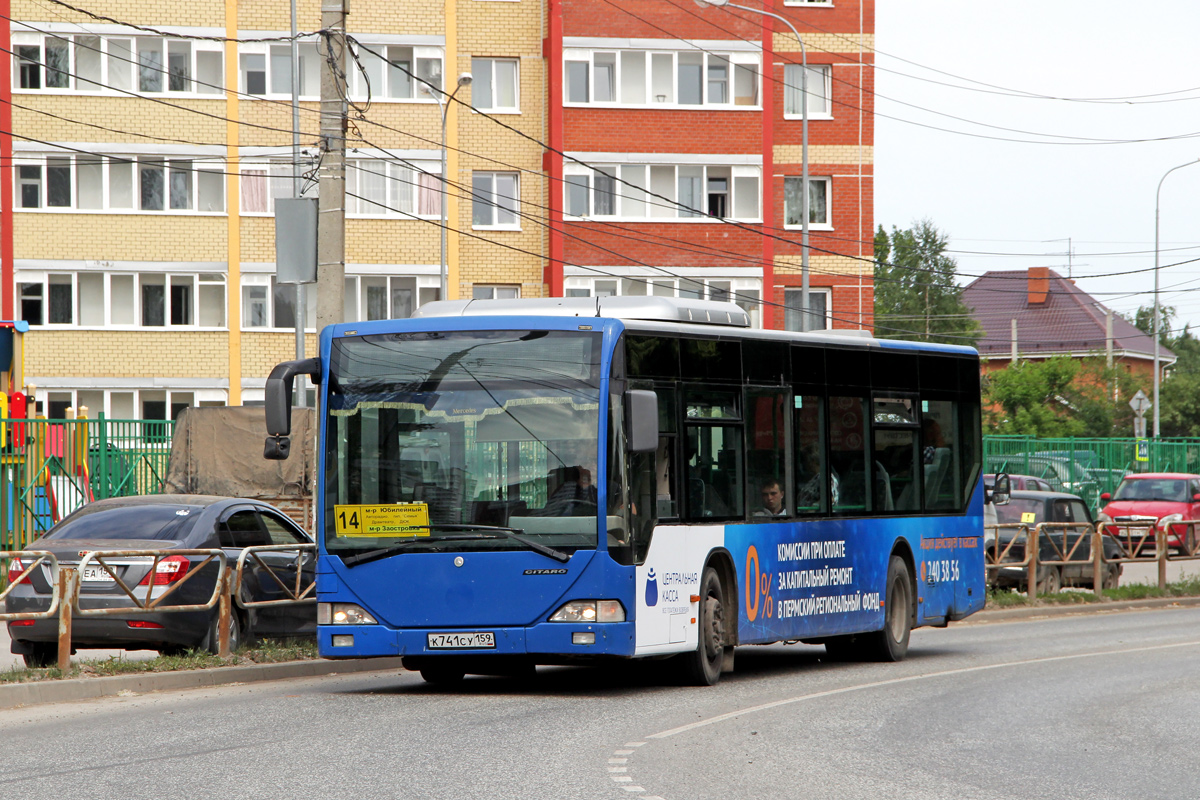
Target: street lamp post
x,y
804,200
444,101
1157,377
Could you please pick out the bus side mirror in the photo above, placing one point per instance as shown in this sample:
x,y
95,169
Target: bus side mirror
x,y
641,420
1001,489
278,402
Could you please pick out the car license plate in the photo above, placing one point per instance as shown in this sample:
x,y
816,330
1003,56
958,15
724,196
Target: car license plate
x,y
461,641
96,574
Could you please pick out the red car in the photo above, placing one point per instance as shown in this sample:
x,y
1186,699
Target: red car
x,y
1164,498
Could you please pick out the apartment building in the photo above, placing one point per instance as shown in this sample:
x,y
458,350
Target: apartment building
x,y
151,139
681,174
605,147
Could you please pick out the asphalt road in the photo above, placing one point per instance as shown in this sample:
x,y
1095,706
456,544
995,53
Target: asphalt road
x,y
1096,706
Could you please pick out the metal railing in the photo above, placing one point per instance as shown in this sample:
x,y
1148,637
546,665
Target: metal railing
x,y
1072,544
227,586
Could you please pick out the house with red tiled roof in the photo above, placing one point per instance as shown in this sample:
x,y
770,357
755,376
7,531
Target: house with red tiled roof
x,y
1037,314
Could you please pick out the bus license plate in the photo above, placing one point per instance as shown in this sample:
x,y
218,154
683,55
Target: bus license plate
x,y
461,641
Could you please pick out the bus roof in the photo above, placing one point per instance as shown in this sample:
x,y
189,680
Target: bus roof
x,y
669,315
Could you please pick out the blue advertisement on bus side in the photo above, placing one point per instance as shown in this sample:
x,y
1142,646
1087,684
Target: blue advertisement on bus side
x,y
823,578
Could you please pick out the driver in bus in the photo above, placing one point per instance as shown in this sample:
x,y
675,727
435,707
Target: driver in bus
x,y
576,497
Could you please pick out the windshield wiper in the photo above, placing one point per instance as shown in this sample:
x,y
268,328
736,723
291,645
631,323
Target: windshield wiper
x,y
477,532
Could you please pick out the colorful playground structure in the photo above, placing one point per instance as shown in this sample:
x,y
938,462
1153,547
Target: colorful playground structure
x,y
48,468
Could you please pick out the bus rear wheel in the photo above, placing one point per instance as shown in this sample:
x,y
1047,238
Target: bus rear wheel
x,y
891,643
703,666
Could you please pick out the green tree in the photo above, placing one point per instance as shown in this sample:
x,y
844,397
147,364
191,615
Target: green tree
x,y
1060,396
1179,394
916,296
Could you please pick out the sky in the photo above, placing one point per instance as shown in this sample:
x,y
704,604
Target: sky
x,y
1009,196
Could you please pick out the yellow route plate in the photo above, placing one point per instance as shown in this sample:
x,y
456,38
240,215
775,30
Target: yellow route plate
x,y
1028,516
401,519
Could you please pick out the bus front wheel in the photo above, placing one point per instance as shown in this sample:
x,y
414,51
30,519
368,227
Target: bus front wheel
x,y
703,666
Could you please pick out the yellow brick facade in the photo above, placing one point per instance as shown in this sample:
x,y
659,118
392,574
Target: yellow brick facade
x,y
826,154
825,265
825,42
239,359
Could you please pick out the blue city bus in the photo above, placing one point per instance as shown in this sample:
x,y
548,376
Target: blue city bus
x,y
756,486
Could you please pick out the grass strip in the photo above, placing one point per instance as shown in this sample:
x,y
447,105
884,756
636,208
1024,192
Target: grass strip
x,y
265,652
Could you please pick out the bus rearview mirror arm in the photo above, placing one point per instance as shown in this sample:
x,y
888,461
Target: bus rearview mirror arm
x,y
641,420
278,402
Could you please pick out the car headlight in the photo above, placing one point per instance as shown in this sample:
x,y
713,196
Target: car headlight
x,y
590,611
1170,519
343,614
1104,519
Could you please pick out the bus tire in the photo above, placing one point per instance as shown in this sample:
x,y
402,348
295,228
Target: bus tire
x,y
891,643
702,667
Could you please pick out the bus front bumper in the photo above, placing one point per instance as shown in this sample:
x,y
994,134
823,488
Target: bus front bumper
x,y
560,639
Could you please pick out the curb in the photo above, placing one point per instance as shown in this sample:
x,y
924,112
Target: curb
x,y
1065,610
16,695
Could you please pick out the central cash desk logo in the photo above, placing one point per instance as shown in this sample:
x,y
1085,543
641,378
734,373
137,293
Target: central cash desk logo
x,y
651,588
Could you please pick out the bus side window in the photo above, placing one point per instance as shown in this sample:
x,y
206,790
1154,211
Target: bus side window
x,y
814,481
848,454
766,453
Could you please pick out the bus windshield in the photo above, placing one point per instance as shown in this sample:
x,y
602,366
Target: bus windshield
x,y
434,437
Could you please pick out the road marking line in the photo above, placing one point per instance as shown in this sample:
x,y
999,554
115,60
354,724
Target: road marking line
x,y
621,778
621,752
618,760
908,679
635,744
618,769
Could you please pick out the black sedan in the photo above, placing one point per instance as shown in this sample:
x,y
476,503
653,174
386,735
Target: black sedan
x,y
163,523
1031,508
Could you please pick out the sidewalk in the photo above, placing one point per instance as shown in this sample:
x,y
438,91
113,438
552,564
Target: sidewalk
x,y
13,695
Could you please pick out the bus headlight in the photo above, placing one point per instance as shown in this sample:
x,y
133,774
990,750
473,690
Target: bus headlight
x,y
590,611
343,614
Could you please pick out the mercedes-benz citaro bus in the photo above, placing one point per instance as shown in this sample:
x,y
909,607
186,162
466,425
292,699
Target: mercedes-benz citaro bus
x,y
507,483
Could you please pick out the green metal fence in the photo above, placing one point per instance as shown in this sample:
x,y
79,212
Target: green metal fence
x,y
1087,467
53,466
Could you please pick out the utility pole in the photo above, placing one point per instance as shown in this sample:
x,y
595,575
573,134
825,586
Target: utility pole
x,y
331,203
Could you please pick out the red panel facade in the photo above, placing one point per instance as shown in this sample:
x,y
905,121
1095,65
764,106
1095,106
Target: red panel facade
x,y
671,135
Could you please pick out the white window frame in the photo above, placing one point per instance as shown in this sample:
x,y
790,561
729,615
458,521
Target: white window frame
x,y
493,107
266,280
572,173
824,74
495,291
793,292
819,225
168,279
113,57
197,166
494,208
734,60
417,91
310,70
402,186
825,3
277,177
428,290
746,292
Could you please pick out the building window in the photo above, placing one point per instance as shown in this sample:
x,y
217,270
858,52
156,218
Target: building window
x,y
268,304
479,292
656,78
99,299
113,183
406,190
266,70
495,85
495,200
819,81
818,304
397,72
640,191
743,291
370,297
117,64
261,183
818,201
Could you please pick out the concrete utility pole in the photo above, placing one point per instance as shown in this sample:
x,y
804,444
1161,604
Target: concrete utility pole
x,y
297,184
331,217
